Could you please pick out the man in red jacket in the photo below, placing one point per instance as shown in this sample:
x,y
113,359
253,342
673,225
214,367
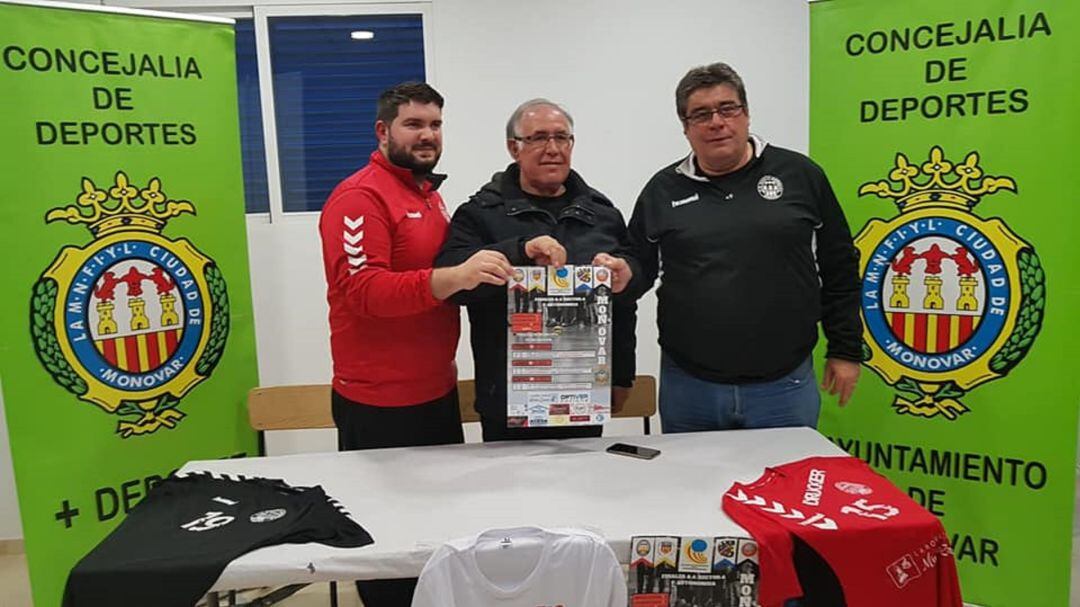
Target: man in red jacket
x,y
393,338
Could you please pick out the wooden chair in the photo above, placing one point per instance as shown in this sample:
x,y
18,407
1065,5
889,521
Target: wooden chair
x,y
307,407
289,408
466,391
642,401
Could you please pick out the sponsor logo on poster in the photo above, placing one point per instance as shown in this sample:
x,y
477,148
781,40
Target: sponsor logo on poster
x,y
748,550
559,281
696,555
724,554
643,548
559,420
667,551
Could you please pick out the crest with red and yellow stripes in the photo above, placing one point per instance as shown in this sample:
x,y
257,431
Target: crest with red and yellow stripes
x,y
949,300
132,321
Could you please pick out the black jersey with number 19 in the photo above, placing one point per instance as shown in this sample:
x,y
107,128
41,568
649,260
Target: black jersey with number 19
x,y
174,545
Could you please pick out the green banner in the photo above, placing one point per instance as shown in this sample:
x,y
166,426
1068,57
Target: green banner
x,y
126,335
947,130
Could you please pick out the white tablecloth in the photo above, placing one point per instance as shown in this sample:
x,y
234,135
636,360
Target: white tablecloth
x,y
412,500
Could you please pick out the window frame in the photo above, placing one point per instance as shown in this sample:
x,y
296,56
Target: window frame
x,y
260,11
262,15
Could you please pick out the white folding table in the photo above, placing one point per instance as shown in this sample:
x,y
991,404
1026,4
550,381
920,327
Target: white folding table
x,y
413,499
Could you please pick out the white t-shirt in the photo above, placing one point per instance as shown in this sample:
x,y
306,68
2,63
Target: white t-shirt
x,y
523,567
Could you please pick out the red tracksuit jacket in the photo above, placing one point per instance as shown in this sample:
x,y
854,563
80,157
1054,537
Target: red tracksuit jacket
x,y
392,342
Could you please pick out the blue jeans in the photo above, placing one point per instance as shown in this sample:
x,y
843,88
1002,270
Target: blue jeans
x,y
689,404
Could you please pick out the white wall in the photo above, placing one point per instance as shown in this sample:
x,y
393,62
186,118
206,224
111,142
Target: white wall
x,y
10,527
613,64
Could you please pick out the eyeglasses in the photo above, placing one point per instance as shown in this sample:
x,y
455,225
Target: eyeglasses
x,y
726,110
562,140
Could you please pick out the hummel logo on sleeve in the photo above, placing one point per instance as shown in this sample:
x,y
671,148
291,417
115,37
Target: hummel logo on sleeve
x,y
353,245
687,200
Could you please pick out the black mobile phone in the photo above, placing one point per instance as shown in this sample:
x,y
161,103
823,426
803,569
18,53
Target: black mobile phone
x,y
633,451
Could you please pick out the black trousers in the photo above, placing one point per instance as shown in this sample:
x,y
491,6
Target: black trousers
x,y
362,426
494,428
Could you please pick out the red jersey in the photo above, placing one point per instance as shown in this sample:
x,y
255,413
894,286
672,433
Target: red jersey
x,y
393,343
886,550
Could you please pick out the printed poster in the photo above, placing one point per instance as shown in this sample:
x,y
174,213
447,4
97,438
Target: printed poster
x,y
559,342
668,571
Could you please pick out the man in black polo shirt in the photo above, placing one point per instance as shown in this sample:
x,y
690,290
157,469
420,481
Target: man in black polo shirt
x,y
755,251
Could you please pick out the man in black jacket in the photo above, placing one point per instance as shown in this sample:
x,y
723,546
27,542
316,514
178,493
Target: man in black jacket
x,y
755,251
538,212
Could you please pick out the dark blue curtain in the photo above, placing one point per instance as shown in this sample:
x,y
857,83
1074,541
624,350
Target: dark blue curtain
x,y
256,198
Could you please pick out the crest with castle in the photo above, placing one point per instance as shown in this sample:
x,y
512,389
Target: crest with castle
x,y
950,299
133,320
126,208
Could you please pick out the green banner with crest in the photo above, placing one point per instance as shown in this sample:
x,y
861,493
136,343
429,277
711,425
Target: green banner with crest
x,y
126,333
947,130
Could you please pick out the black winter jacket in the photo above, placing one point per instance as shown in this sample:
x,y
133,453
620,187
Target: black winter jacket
x,y
502,218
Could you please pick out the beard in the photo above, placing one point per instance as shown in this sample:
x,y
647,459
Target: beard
x,y
404,158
